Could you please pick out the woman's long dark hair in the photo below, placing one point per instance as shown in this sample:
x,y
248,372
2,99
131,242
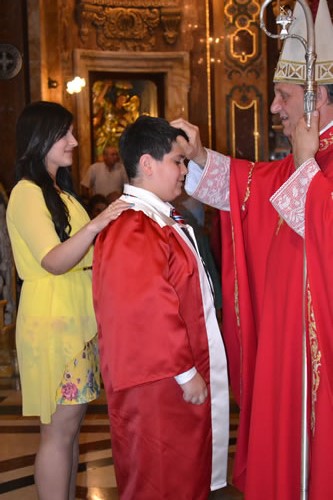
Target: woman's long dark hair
x,y
39,126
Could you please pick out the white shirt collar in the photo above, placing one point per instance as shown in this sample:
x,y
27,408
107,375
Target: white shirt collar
x,y
151,198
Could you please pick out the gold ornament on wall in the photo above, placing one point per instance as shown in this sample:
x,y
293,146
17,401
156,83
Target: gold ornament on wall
x,y
244,33
171,20
131,24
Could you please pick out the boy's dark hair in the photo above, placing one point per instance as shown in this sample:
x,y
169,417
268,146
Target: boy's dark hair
x,y
39,126
147,135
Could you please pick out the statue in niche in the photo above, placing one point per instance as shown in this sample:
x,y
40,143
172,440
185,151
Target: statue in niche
x,y
115,105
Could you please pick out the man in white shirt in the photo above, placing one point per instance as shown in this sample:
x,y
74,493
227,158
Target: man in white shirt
x,y
105,177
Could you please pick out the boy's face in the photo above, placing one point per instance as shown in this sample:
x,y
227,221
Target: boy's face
x,y
168,174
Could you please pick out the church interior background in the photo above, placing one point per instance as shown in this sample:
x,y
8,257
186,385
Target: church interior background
x,y
205,60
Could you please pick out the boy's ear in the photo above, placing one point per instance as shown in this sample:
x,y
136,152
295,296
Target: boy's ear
x,y
146,164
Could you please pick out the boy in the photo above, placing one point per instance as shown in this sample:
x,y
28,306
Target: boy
x,y
162,355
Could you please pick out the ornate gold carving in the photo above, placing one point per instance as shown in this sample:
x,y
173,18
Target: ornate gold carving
x,y
243,18
129,25
243,45
242,13
133,3
170,19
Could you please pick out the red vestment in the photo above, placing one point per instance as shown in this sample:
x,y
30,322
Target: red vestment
x,y
262,288
152,326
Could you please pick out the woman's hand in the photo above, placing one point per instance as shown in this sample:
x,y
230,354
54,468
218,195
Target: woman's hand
x,y
67,254
109,214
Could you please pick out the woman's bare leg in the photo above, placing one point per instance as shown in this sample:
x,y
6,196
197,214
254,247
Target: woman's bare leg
x,y
75,462
58,448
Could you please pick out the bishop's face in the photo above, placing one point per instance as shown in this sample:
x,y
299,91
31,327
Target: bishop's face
x,y
289,104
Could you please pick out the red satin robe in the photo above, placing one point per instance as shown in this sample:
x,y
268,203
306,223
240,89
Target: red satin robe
x,y
262,282
152,327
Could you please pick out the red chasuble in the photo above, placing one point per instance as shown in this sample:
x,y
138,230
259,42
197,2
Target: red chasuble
x,y
319,251
152,327
262,281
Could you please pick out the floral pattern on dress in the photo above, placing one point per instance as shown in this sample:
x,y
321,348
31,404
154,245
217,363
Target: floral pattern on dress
x,y
81,379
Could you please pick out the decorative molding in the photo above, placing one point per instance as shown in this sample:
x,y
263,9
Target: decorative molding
x,y
170,19
10,61
244,103
254,71
174,66
129,25
244,34
133,3
243,45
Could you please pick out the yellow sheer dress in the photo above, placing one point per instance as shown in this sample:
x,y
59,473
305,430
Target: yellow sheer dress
x,y
56,325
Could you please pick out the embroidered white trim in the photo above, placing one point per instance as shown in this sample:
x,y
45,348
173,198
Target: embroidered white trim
x,y
212,185
295,72
289,200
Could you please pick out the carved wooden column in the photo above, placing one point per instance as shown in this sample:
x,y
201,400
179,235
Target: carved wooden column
x,y
239,69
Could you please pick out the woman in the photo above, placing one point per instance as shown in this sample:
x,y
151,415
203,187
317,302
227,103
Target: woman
x,y
52,236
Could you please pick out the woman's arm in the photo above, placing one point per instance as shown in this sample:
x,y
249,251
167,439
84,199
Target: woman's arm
x,y
67,254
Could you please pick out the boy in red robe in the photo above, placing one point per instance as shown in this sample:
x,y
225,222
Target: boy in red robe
x,y
162,356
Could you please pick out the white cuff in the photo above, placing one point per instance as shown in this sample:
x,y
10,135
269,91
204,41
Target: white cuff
x,y
184,377
193,177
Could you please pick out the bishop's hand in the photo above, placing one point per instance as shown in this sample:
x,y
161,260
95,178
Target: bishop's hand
x,y
193,150
305,139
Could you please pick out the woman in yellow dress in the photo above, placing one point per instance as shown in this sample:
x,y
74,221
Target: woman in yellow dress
x,y
52,236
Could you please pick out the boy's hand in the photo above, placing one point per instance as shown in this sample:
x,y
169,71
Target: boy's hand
x,y
195,391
